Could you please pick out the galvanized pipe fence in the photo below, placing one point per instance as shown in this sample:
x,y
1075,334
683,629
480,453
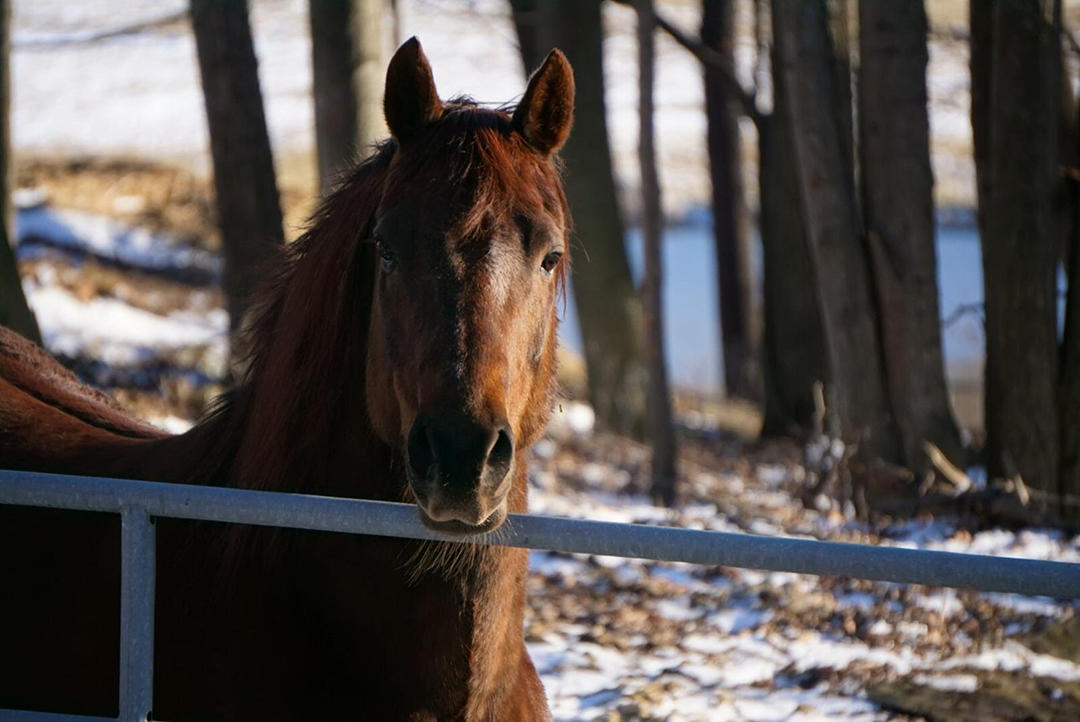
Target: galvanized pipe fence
x,y
138,502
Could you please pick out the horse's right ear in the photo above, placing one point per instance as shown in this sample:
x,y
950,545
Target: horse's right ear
x,y
410,102
546,111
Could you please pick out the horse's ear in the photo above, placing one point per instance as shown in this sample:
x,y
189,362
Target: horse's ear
x,y
546,111
410,101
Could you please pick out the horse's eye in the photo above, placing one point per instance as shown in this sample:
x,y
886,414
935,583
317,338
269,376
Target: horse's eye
x,y
386,254
550,261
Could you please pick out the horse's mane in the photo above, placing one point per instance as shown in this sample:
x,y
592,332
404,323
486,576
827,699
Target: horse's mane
x,y
305,344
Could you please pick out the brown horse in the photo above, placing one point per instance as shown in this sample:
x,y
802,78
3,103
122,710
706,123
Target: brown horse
x,y
403,350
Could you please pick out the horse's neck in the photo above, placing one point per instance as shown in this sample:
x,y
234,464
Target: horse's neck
x,y
497,649
453,611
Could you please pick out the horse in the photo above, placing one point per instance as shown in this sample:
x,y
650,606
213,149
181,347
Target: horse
x,y
402,349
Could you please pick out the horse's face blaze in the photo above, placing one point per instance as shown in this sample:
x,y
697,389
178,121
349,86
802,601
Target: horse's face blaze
x,y
462,341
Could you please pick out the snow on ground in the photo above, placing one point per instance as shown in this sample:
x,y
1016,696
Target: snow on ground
x,y
618,639
106,328
111,240
674,641
112,330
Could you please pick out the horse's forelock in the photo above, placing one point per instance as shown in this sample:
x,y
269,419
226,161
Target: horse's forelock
x,y
476,152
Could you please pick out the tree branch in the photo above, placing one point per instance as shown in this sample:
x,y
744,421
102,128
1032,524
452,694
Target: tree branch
x,y
713,59
82,38
1070,36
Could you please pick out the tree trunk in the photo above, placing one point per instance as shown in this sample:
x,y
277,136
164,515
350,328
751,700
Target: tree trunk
x,y
347,67
14,312
249,211
608,304
528,16
857,395
1019,235
661,428
794,342
898,206
838,20
738,333
1069,406
981,24
1069,395
396,23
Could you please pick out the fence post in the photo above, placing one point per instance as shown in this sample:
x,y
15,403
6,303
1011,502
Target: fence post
x,y
137,564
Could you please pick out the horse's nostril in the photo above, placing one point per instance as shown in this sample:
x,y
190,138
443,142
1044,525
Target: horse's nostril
x,y
420,453
502,451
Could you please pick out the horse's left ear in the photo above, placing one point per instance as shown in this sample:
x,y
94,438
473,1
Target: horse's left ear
x,y
546,111
410,102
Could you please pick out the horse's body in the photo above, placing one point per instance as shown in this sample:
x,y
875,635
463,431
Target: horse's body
x,y
359,386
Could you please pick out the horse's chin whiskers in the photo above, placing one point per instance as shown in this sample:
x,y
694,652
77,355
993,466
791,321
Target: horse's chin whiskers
x,y
451,560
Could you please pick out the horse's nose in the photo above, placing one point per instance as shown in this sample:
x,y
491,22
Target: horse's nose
x,y
469,454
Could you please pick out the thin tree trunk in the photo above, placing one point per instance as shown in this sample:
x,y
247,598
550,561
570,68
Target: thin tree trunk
x,y
1069,406
897,186
838,20
794,342
1069,395
981,24
396,23
347,68
528,16
739,334
1020,238
609,307
14,311
661,427
857,394
249,211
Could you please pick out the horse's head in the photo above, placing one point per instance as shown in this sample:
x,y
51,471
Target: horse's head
x,y
472,237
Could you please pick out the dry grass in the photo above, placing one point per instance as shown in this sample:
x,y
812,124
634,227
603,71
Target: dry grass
x,y
159,196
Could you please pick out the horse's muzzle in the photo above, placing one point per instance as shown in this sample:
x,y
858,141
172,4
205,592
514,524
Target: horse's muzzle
x,y
459,472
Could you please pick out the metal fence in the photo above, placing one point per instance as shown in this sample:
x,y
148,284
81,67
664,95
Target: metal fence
x,y
138,502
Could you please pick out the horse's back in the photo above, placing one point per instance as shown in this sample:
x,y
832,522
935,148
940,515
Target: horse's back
x,y
48,419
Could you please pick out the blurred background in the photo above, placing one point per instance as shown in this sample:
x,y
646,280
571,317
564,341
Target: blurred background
x,y
821,286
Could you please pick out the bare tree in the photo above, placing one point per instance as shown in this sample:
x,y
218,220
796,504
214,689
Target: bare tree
x,y
530,24
739,333
981,24
794,347
1069,394
346,58
839,18
661,427
830,211
249,210
898,206
608,304
1016,67
14,311
1069,406
794,354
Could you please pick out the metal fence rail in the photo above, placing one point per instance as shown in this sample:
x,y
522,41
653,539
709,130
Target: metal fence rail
x,y
138,501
